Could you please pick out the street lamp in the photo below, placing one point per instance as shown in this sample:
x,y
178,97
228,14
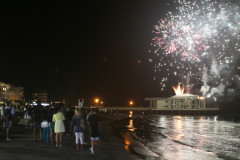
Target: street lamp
x,y
96,100
131,103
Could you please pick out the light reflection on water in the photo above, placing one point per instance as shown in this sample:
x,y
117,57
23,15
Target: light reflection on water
x,y
186,137
131,126
126,136
130,114
127,140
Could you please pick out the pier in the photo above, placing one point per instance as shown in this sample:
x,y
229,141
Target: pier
x,y
205,111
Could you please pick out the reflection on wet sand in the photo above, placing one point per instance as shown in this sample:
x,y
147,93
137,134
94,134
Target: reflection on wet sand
x,y
130,114
131,126
127,140
178,125
181,137
126,136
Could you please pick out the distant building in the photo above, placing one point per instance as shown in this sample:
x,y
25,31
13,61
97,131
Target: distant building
x,y
178,102
4,91
42,96
16,93
10,92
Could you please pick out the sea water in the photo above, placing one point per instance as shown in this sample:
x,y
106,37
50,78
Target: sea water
x,y
170,137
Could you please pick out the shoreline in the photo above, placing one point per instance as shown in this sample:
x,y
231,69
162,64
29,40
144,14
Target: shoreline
x,y
133,144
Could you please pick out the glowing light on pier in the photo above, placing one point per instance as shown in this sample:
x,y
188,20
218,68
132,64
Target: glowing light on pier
x,y
96,100
201,97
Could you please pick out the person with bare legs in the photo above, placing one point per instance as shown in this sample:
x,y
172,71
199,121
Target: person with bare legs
x,y
79,125
94,134
59,127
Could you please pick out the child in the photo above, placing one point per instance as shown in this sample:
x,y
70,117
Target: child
x,y
46,131
78,123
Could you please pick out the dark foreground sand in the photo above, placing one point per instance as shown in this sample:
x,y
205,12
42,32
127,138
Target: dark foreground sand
x,y
22,146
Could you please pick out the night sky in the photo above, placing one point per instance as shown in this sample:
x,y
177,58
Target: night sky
x,y
75,49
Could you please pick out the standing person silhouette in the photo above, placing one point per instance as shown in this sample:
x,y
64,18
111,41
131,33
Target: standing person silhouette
x,y
59,127
37,119
51,111
94,134
79,125
8,117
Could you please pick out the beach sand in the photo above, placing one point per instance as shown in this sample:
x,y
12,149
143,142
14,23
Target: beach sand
x,y
22,146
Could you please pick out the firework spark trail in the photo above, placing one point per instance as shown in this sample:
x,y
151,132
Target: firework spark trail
x,y
195,39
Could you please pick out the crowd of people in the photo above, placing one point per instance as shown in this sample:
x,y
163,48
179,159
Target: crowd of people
x,y
49,123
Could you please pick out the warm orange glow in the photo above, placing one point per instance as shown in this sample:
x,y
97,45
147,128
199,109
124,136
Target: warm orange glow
x,y
101,102
202,118
178,89
130,114
128,140
201,98
96,100
126,147
131,102
130,126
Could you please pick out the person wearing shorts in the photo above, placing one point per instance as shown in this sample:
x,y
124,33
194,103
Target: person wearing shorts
x,y
36,123
78,123
94,134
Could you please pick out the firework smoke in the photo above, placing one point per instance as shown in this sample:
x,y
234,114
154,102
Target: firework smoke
x,y
198,45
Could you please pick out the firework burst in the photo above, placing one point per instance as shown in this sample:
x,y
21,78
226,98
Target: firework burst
x,y
198,44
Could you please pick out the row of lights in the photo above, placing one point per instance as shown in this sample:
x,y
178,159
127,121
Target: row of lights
x,y
97,101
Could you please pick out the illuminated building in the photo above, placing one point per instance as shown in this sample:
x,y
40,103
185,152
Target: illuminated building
x,y
178,102
4,91
16,93
10,92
